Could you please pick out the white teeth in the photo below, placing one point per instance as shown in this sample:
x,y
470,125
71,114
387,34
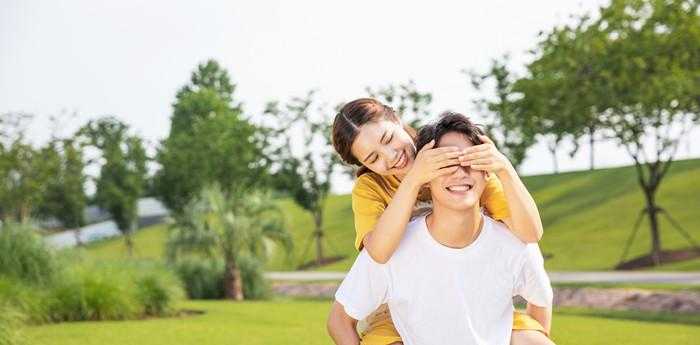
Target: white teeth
x,y
459,188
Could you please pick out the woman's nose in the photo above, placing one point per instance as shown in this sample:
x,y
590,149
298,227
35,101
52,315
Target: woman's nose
x,y
390,154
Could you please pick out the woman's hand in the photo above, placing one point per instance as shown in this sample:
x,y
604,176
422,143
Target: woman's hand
x,y
433,162
484,157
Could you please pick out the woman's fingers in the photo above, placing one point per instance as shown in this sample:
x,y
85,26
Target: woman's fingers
x,y
475,155
446,171
447,156
485,168
443,150
447,163
477,148
427,146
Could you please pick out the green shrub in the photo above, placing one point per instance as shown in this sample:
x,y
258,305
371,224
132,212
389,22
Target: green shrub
x,y
202,278
24,254
10,325
95,293
113,292
26,299
255,286
157,291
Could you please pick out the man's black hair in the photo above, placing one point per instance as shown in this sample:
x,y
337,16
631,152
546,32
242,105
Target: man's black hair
x,y
449,122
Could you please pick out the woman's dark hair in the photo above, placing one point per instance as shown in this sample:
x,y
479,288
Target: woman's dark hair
x,y
448,122
351,117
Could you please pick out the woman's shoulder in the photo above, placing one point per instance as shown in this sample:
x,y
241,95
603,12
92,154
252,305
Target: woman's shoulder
x,y
371,180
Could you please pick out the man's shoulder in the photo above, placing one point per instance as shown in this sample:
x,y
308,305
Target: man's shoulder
x,y
502,235
411,240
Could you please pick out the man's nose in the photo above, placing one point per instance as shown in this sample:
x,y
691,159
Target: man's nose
x,y
461,171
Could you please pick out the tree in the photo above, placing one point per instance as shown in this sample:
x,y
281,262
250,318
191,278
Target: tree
x,y
210,141
506,124
232,226
405,98
640,68
24,172
303,167
123,172
64,197
44,182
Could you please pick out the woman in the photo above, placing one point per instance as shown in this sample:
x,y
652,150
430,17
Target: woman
x,y
369,134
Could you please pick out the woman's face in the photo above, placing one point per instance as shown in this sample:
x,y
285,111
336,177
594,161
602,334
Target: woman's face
x,y
384,147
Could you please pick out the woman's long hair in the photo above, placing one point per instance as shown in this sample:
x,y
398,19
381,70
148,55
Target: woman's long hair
x,y
351,117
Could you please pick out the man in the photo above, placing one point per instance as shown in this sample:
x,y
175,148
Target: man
x,y
452,279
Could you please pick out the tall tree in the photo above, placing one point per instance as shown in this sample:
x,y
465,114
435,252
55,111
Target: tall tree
x,y
210,141
303,158
64,198
640,70
123,172
506,124
231,226
24,172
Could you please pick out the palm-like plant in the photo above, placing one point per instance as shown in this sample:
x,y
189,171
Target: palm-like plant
x,y
228,226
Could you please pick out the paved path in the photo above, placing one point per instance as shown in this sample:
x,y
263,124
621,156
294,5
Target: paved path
x,y
686,278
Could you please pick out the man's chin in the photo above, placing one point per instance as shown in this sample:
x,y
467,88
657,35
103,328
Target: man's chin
x,y
463,202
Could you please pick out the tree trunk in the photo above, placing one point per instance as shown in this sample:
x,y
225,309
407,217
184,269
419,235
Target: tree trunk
x,y
318,234
129,244
652,213
24,213
591,132
233,281
78,240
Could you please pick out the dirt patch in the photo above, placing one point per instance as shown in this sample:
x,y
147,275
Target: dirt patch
x,y
325,261
629,299
596,298
667,256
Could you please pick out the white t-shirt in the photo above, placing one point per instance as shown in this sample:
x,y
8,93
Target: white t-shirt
x,y
442,295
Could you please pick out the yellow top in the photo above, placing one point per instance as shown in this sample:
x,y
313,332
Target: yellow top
x,y
373,192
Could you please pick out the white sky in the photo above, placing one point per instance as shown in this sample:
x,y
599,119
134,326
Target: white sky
x,y
128,58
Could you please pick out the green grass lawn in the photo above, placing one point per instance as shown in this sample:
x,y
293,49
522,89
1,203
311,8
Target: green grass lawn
x,y
588,216
149,243
303,322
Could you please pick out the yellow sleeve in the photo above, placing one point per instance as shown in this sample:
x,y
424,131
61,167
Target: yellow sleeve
x,y
367,206
494,199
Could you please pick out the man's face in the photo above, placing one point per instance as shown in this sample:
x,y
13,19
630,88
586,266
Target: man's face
x,y
462,189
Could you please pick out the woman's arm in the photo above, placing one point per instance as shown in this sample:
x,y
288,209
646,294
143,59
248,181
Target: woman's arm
x,y
524,219
386,235
341,327
543,315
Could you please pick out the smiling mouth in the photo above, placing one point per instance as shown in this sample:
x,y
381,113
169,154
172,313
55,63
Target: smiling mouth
x,y
459,188
403,159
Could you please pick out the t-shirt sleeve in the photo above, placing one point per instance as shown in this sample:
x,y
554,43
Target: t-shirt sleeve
x,y
532,282
494,198
364,288
367,207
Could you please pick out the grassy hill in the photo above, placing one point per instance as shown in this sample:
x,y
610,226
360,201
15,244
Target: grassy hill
x,y
587,215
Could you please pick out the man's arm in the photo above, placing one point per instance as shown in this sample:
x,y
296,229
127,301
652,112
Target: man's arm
x,y
341,327
534,286
364,288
